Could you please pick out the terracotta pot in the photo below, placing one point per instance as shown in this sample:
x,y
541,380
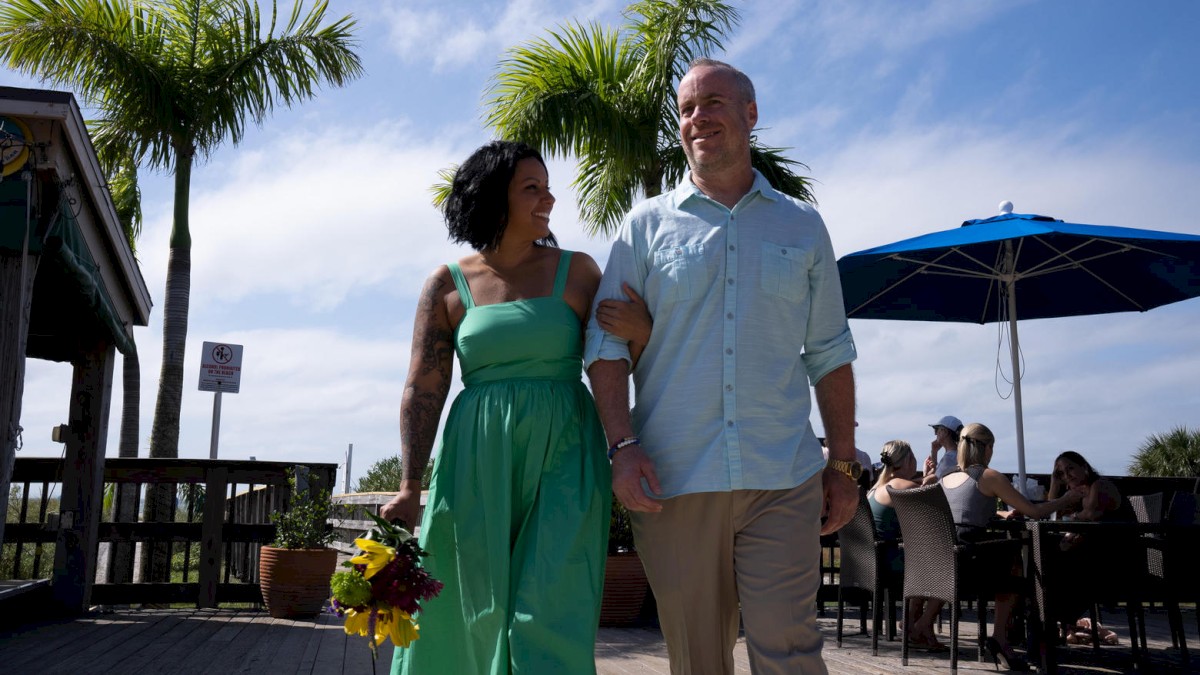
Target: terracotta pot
x,y
625,589
295,582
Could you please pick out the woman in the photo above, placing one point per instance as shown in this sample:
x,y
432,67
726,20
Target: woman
x,y
519,505
899,469
972,493
945,441
1102,501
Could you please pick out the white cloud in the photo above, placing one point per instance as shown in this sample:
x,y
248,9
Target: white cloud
x,y
454,35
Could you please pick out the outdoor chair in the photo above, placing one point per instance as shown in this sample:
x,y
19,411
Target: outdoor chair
x,y
1171,561
936,564
1061,590
1181,559
864,570
1147,508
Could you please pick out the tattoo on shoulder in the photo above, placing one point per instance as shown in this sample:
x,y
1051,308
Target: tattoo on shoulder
x,y
436,343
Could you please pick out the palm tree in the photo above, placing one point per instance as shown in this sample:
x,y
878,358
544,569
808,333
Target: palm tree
x,y
121,170
173,80
1175,453
606,96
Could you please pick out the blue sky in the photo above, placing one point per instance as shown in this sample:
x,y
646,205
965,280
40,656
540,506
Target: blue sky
x,y
312,238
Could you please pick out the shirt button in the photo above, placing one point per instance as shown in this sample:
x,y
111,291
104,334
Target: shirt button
x,y
729,316
729,350
783,251
732,247
730,280
729,387
729,423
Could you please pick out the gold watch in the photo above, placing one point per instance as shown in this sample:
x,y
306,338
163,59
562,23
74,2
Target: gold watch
x,y
852,468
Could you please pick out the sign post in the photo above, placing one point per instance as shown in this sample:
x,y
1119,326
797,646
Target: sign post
x,y
220,372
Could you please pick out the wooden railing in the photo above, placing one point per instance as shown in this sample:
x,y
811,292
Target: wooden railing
x,y
214,537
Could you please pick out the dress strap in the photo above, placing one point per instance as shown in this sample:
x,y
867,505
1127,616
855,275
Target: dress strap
x,y
460,282
560,279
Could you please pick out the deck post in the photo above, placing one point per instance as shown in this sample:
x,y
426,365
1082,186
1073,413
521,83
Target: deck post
x,y
83,479
211,549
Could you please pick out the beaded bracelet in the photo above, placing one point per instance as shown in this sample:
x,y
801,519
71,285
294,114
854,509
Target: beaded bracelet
x,y
623,443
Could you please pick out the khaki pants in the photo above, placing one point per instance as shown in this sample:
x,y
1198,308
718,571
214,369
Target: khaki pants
x,y
707,553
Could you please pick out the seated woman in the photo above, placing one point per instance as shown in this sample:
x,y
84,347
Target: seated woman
x,y
972,492
1102,502
899,472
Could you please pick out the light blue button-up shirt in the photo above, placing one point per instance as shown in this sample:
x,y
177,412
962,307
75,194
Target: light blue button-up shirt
x,y
747,308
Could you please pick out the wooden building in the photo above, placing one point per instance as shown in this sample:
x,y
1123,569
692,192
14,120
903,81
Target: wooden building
x,y
70,291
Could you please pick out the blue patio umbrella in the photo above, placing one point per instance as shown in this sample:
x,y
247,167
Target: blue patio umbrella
x,y
1020,266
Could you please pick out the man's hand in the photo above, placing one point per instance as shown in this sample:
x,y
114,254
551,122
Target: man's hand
x,y
405,505
841,500
629,466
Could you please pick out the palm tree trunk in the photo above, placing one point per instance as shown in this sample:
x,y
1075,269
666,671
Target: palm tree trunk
x,y
120,567
164,435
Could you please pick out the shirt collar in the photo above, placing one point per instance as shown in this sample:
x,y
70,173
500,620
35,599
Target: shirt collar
x,y
687,189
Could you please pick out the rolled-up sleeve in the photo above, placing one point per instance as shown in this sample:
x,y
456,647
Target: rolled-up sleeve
x,y
624,266
828,343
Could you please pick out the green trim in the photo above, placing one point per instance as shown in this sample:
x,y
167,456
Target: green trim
x,y
65,246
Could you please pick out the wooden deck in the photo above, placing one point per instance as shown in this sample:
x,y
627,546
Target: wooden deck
x,y
229,641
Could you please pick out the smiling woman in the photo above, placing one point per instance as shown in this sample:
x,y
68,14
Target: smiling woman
x,y
519,503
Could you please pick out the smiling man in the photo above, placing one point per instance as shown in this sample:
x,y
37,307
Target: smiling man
x,y
718,461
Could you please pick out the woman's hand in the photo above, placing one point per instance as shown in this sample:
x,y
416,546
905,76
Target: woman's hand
x,y
627,320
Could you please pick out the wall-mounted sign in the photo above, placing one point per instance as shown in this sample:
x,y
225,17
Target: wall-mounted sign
x,y
15,139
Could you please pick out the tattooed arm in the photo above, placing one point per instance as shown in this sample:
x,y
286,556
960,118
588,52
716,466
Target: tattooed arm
x,y
429,371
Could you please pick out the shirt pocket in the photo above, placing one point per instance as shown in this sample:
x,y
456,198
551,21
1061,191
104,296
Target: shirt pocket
x,y
785,271
681,273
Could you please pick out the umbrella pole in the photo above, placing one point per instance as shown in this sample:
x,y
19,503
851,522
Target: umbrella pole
x,y
1015,349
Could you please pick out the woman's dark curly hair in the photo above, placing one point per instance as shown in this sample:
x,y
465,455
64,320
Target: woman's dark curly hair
x,y
477,209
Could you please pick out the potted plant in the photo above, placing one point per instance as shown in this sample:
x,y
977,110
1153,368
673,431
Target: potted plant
x,y
294,570
625,583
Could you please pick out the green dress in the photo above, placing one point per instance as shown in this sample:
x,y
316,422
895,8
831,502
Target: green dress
x,y
517,518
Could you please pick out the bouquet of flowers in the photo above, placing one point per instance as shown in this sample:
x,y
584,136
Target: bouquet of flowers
x,y
383,586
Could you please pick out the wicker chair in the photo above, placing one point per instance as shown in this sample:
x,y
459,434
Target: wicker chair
x,y
1147,508
936,564
864,568
1170,563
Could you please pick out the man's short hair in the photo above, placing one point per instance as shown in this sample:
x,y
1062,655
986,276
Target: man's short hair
x,y
743,81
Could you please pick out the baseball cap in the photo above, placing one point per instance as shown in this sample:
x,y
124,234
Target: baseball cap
x,y
950,422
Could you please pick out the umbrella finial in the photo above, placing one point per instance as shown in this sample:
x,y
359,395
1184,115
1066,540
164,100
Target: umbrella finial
x,y
1006,207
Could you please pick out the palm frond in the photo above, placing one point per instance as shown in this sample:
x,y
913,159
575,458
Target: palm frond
x,y
120,168
559,93
777,169
441,189
1174,453
605,191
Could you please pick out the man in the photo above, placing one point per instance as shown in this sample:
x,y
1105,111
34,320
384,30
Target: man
x,y
719,463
